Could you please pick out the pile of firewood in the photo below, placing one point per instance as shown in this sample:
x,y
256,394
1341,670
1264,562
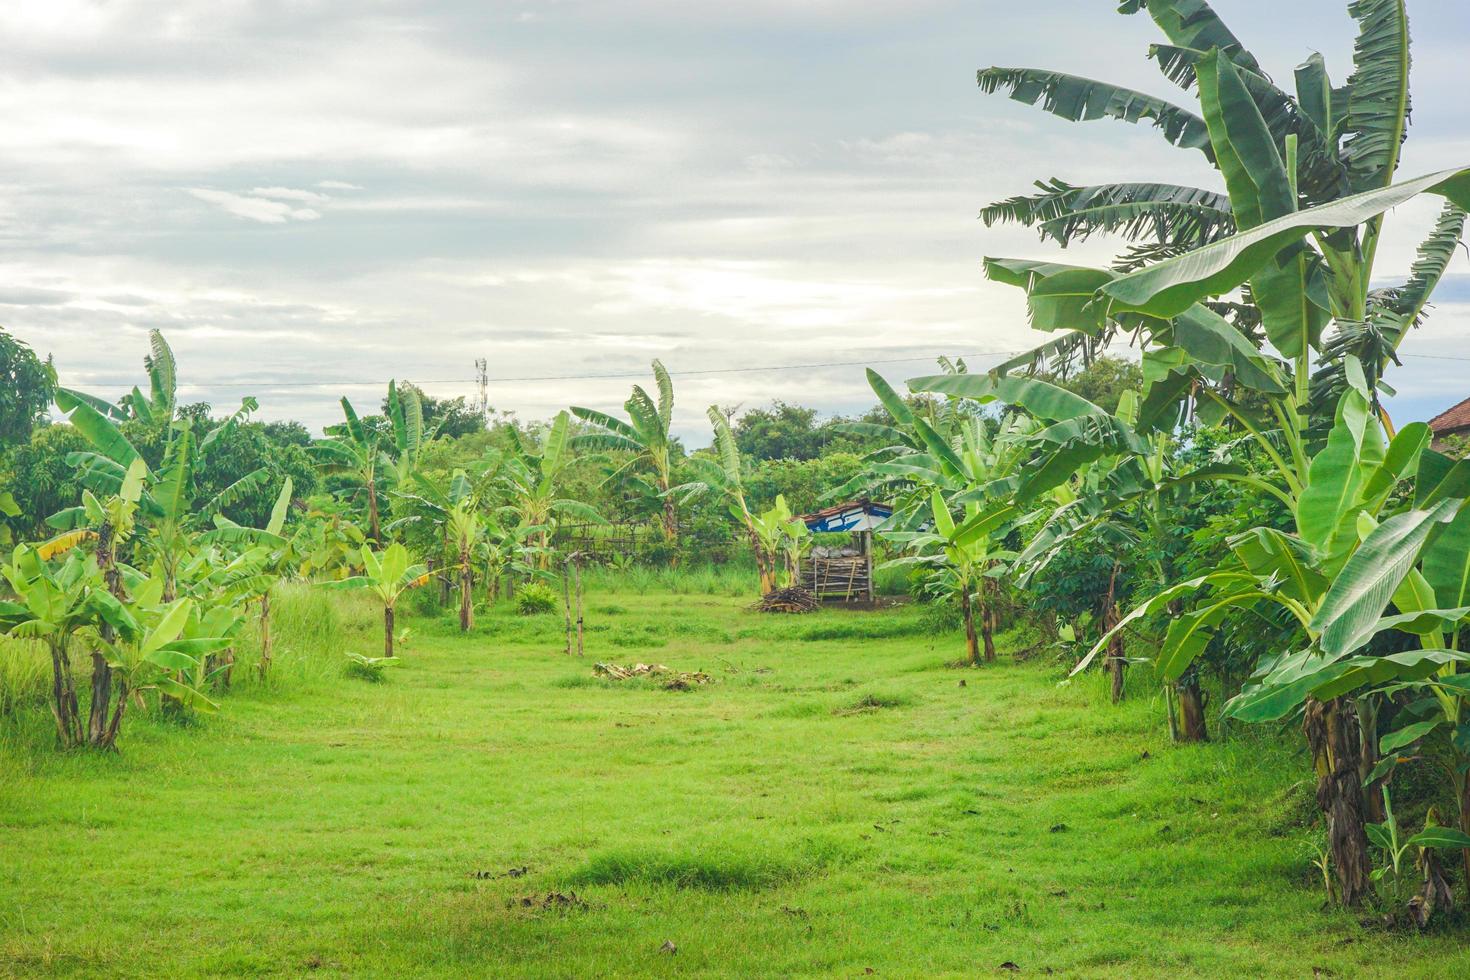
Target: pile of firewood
x,y
793,600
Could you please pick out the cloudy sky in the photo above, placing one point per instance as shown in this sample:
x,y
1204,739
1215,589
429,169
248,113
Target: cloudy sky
x,y
311,197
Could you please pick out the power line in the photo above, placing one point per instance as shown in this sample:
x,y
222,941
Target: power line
x,y
482,380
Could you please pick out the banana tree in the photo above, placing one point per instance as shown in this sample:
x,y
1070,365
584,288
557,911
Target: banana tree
x,y
466,528
721,472
55,605
150,646
169,507
454,511
110,523
329,544
272,552
646,437
409,437
115,599
158,406
1350,556
530,476
961,557
506,554
353,451
781,538
388,575
1307,177
1129,505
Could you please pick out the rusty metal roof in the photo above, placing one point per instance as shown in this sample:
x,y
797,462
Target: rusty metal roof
x,y
835,509
1451,420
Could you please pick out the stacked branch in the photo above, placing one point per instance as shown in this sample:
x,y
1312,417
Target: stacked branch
x,y
792,600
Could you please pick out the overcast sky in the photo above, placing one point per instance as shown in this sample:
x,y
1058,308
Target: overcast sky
x,y
345,191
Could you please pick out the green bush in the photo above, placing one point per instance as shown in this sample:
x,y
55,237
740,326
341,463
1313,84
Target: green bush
x,y
535,599
368,668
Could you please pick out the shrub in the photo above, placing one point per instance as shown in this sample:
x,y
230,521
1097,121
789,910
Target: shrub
x,y
368,668
535,599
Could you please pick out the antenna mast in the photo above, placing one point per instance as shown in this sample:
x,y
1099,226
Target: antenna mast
x,y
482,378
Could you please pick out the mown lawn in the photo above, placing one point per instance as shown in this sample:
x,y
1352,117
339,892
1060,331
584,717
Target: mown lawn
x,y
838,801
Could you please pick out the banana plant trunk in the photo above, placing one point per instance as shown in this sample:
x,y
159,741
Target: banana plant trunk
x,y
671,528
64,697
1117,664
987,621
1191,700
219,666
265,633
1332,733
101,703
1463,793
1373,808
387,631
972,643
109,737
373,509
466,594
763,563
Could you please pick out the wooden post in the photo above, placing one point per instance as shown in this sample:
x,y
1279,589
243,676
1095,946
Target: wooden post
x,y
867,538
577,570
566,598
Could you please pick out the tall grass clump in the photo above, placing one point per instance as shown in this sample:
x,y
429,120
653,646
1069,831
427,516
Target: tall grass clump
x,y
728,579
706,869
311,629
25,675
891,581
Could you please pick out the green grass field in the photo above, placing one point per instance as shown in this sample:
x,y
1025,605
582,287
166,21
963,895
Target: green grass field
x,y
837,802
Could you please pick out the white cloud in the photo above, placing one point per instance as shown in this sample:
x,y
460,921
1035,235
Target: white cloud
x,y
289,194
254,208
338,185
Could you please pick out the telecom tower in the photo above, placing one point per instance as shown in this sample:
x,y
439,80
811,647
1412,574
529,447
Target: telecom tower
x,y
482,378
